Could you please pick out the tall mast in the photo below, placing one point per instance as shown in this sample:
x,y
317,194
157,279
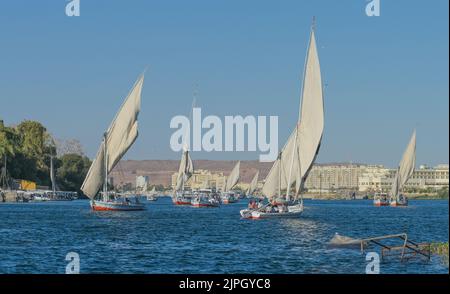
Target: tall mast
x,y
53,176
279,175
288,189
105,184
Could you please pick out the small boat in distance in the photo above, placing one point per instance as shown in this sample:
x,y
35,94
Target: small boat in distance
x,y
253,186
300,151
151,196
228,195
380,199
205,198
40,197
404,172
180,195
119,137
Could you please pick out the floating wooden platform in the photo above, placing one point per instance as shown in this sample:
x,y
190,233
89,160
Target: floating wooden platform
x,y
405,250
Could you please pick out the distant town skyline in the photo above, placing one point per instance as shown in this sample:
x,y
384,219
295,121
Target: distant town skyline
x,y
383,76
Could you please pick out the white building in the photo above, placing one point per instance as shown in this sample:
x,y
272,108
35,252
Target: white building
x,y
335,176
142,182
422,178
366,178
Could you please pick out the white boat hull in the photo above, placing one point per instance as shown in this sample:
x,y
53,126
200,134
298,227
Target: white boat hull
x,y
293,211
116,206
395,203
205,203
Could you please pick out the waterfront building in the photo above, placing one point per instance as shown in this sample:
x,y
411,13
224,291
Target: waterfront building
x,y
423,178
334,176
142,183
366,178
202,179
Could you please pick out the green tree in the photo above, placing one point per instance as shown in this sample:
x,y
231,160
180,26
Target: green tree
x,y
35,148
443,193
72,171
8,141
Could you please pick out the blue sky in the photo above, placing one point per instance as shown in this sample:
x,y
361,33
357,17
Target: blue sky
x,y
384,75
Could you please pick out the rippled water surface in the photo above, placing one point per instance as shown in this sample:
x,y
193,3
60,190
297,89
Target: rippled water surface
x,y
35,238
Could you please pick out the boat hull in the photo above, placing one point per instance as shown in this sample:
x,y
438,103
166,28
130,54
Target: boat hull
x,y
116,206
398,204
196,203
229,201
181,202
379,202
293,211
204,205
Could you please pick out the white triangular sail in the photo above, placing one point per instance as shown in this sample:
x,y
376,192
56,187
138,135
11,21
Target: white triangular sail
x,y
301,149
52,175
406,167
185,170
119,137
271,185
311,125
253,184
276,177
233,178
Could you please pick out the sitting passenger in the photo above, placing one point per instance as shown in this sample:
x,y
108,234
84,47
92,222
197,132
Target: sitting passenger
x,y
260,204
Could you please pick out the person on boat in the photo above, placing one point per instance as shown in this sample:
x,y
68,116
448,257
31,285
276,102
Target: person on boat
x,y
250,204
260,203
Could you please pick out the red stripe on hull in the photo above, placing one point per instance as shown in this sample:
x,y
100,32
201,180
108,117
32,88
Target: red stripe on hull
x,y
381,204
103,208
182,203
203,205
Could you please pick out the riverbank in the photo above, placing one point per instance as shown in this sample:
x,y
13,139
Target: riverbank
x,y
441,249
337,196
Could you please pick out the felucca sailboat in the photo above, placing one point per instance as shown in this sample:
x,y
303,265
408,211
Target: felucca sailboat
x,y
185,171
204,198
228,195
119,137
253,185
404,172
299,153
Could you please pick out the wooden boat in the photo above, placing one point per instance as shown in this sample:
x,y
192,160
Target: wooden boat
x,y
119,137
283,212
204,200
118,203
300,151
380,199
152,195
400,202
183,198
253,186
228,196
185,171
404,172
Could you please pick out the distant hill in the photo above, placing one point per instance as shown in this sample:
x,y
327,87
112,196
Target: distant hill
x,y
160,171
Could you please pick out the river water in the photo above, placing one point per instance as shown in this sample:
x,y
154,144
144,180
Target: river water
x,y
36,237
